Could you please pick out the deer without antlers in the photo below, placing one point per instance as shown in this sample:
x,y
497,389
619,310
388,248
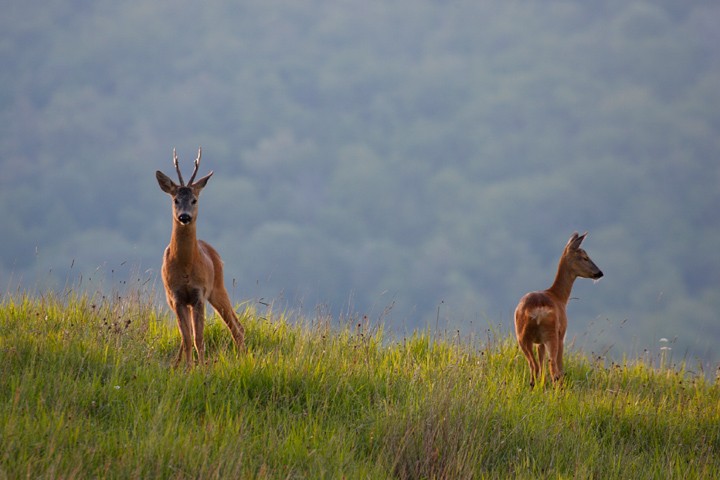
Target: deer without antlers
x,y
192,270
540,317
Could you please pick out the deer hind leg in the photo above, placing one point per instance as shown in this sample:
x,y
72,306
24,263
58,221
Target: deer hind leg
x,y
198,325
541,350
221,303
527,349
183,320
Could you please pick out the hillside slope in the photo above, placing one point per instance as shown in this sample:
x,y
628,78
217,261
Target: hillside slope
x,y
87,391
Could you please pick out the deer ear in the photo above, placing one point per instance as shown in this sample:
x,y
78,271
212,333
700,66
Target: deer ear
x,y
200,184
166,184
575,241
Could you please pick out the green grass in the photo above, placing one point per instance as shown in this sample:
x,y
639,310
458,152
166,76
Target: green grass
x,y
87,391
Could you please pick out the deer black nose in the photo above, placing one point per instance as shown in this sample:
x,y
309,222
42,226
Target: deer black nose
x,y
184,218
599,274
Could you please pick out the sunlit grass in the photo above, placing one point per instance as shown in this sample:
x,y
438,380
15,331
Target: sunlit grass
x,y
87,391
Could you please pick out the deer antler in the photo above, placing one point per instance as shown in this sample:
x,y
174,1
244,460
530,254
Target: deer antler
x,y
177,167
197,164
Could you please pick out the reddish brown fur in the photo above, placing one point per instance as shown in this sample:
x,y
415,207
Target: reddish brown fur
x,y
541,318
192,271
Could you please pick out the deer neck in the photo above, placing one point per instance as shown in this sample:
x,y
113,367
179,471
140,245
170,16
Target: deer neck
x,y
564,279
183,243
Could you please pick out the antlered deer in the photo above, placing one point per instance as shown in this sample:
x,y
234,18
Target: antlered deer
x,y
540,317
192,270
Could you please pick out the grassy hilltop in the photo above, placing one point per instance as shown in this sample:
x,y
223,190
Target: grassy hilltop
x,y
87,391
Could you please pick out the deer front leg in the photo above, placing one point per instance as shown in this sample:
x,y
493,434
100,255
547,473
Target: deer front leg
x,y
559,360
198,325
183,319
554,350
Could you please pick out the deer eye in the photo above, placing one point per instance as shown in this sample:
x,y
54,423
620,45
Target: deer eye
x,y
194,201
177,202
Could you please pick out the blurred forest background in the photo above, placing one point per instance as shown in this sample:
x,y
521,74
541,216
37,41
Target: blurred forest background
x,y
419,162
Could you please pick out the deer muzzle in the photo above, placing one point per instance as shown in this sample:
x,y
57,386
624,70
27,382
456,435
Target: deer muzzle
x,y
184,218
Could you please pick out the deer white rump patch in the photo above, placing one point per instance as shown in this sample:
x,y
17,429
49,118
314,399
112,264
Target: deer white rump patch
x,y
540,313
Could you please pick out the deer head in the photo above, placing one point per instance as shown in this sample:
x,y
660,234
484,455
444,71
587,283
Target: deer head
x,y
578,260
185,197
